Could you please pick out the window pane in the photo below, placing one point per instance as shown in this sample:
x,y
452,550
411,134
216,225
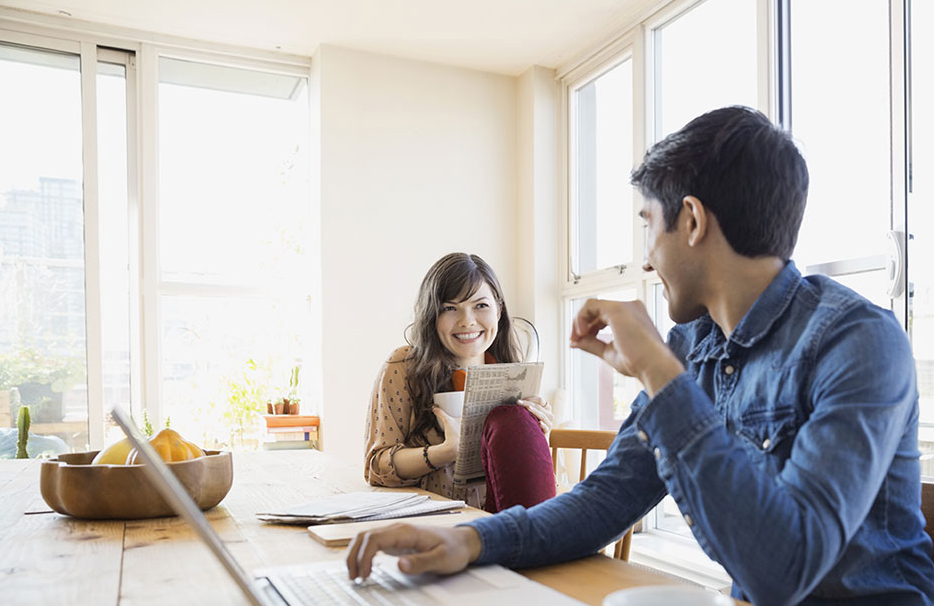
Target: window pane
x,y
223,358
601,396
704,59
921,219
234,219
233,175
603,162
847,179
42,312
114,240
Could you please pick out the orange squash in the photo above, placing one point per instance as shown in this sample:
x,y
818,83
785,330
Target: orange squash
x,y
171,446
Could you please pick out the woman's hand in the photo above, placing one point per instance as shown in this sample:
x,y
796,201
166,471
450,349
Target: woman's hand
x,y
541,409
452,436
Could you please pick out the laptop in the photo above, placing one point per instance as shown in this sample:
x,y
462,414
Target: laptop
x,y
326,582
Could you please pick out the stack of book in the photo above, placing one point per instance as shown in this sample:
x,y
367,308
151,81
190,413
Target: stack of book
x,y
291,432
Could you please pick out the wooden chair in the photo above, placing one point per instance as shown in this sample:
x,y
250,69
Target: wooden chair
x,y
927,507
584,440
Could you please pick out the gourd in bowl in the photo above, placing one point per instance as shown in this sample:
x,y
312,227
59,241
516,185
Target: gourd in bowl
x,y
171,447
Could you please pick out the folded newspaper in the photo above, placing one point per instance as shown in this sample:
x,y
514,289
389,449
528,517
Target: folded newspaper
x,y
488,386
361,507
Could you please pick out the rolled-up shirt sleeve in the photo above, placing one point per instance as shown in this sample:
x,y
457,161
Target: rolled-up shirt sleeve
x,y
388,423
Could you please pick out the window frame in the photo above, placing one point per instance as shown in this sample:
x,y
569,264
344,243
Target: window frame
x,y
638,43
94,43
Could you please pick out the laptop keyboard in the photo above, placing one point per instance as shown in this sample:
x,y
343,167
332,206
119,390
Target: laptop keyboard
x,y
330,586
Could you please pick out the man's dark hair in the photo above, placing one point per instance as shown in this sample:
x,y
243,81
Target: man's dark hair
x,y
744,169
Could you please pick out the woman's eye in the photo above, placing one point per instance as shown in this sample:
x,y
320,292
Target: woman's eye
x,y
482,305
447,308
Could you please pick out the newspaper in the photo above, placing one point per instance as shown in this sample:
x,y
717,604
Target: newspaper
x,y
489,386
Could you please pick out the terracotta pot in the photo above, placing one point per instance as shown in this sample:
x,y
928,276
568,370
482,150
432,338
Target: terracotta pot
x,y
293,407
269,408
279,408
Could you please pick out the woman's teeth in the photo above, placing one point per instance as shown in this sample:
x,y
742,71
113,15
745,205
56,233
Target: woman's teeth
x,y
467,336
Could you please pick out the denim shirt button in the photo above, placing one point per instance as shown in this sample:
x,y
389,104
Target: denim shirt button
x,y
766,444
688,520
658,453
729,369
643,436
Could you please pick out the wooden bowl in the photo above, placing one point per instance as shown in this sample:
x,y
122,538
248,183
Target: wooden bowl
x,y
72,486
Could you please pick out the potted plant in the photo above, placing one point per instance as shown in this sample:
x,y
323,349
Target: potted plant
x,y
287,405
41,381
244,395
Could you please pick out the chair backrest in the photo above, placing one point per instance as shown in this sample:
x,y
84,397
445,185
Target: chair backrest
x,y
927,507
584,440
527,335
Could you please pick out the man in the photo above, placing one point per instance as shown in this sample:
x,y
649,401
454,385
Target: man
x,y
782,415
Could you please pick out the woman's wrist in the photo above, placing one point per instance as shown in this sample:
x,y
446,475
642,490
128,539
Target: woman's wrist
x,y
441,454
431,466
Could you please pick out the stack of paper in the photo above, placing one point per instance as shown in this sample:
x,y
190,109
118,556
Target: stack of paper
x,y
360,507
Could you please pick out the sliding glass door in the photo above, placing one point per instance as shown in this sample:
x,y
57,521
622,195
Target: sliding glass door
x,y
54,195
920,215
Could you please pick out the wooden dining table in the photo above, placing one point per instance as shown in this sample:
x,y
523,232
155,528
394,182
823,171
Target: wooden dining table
x,y
49,558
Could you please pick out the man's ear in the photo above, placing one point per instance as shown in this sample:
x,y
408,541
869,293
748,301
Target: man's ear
x,y
697,219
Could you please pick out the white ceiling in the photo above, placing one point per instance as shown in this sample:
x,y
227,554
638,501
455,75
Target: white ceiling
x,y
500,36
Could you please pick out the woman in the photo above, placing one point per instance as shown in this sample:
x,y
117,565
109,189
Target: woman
x,y
460,320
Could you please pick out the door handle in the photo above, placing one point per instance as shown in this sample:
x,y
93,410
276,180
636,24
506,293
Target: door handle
x,y
895,263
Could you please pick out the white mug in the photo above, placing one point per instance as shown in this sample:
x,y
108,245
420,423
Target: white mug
x,y
451,402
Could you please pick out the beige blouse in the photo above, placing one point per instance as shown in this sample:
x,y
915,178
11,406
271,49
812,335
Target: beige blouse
x,y
387,430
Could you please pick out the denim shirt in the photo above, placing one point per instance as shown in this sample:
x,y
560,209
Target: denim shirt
x,y
791,449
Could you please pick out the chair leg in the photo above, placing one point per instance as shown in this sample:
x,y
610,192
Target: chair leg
x,y
623,546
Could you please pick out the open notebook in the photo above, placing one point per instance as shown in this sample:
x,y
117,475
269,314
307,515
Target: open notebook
x,y
327,582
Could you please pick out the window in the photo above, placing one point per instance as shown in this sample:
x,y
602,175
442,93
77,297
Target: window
x,y
703,58
921,218
42,272
234,216
606,122
186,300
602,124
825,75
701,55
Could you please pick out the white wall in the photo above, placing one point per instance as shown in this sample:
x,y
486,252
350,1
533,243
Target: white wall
x,y
537,261
416,160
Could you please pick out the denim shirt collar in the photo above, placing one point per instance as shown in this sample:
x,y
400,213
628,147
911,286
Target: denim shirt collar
x,y
770,305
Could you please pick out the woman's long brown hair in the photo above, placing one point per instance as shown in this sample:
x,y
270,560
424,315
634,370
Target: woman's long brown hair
x,y
455,278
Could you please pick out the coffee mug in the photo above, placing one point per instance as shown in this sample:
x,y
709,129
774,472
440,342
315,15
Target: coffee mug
x,y
451,402
666,595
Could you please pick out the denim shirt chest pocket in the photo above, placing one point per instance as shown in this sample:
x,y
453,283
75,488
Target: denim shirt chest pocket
x,y
767,435
767,422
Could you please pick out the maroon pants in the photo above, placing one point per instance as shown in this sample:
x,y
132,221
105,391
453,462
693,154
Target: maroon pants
x,y
516,459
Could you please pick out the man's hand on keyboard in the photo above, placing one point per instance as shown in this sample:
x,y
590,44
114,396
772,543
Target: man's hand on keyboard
x,y
422,549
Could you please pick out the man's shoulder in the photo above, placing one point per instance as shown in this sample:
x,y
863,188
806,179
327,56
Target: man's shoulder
x,y
831,302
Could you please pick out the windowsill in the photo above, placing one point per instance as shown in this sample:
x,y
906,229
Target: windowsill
x,y
679,558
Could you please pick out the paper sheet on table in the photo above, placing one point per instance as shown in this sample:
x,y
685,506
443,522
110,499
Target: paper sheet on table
x,y
360,506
